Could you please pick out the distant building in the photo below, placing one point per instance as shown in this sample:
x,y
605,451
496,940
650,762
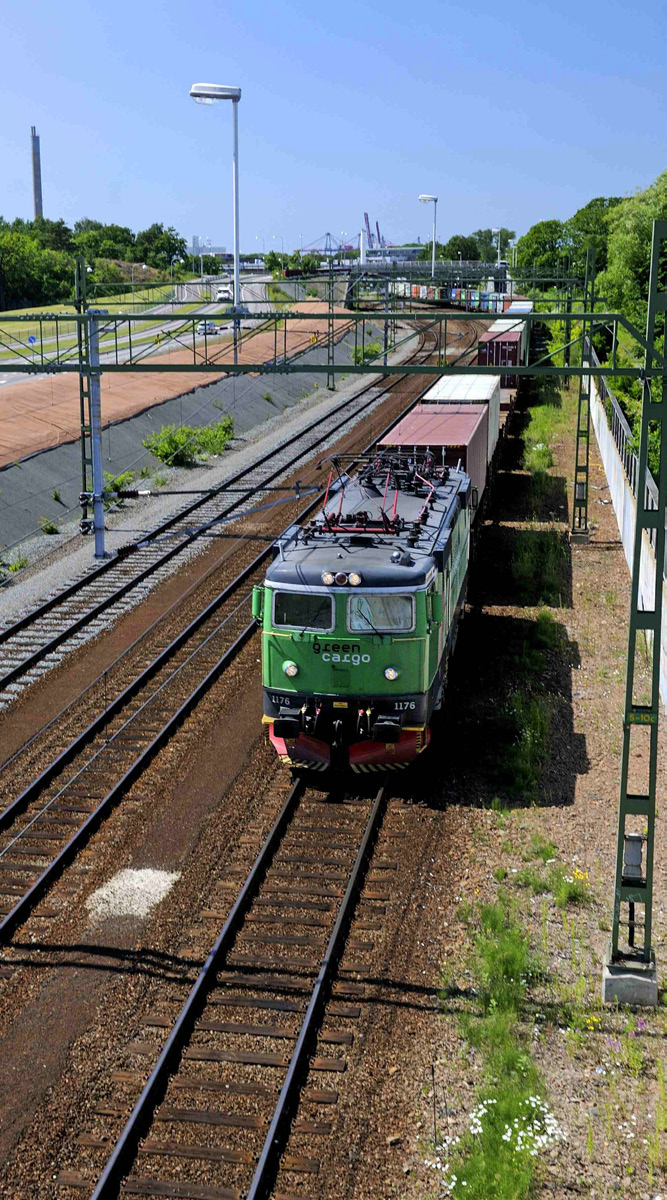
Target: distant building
x,y
200,247
36,173
391,254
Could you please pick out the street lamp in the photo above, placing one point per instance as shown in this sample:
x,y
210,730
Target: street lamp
x,y
497,231
427,200
210,93
343,234
259,237
282,245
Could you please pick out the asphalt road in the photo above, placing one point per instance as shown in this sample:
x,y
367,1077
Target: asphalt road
x,y
252,292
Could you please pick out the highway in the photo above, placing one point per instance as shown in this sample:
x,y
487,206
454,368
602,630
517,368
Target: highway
x,y
252,292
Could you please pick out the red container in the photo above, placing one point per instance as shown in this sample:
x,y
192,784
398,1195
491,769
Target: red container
x,y
501,350
456,433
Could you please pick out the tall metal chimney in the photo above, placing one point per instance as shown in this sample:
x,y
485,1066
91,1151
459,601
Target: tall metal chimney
x,y
36,173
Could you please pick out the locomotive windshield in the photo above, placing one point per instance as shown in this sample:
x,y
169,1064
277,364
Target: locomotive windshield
x,y
383,613
303,611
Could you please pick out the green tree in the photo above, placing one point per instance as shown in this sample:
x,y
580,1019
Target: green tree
x,y
589,229
275,262
31,275
467,247
157,245
487,242
541,248
624,283
52,235
426,252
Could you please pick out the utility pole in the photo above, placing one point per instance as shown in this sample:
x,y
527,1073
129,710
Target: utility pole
x,y
81,306
94,389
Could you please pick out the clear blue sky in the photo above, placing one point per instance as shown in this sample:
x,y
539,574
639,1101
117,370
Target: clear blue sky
x,y
511,114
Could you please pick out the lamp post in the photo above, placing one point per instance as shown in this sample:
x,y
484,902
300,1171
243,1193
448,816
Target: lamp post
x,y
258,237
211,93
343,234
282,247
427,200
144,268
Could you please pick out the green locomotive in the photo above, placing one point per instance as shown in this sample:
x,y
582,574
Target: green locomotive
x,y
359,612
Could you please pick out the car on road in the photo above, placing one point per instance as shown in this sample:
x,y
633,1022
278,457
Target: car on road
x,y
206,327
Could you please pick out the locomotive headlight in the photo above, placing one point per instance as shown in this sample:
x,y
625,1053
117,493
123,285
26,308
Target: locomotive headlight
x,y
341,578
290,669
328,577
391,672
354,579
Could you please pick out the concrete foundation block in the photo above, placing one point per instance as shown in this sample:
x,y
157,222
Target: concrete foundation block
x,y
579,537
630,983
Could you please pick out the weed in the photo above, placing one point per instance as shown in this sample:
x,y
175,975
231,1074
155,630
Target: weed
x,y
144,472
510,1124
159,479
569,889
55,495
528,720
540,848
548,633
48,526
539,561
589,1139
500,874
116,483
503,961
501,811
528,877
18,563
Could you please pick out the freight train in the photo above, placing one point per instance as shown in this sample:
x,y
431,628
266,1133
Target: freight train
x,y
360,607
359,613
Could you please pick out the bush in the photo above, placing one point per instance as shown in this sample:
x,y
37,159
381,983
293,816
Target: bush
x,y
213,438
174,444
371,351
182,445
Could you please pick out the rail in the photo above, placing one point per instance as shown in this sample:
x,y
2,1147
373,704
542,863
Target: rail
x,y
142,1116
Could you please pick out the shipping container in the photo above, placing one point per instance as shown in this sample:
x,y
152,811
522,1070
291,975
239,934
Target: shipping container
x,y
415,291
470,389
423,292
500,348
456,433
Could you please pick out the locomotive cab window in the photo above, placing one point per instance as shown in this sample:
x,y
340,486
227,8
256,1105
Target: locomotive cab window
x,y
380,613
303,610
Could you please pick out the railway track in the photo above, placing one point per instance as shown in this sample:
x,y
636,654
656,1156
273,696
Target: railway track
x,y
246,1078
44,827
37,641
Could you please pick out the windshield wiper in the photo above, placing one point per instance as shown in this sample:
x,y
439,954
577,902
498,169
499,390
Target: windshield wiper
x,y
311,624
369,622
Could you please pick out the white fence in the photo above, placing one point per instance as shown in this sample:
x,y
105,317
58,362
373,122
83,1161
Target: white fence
x,y
614,438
